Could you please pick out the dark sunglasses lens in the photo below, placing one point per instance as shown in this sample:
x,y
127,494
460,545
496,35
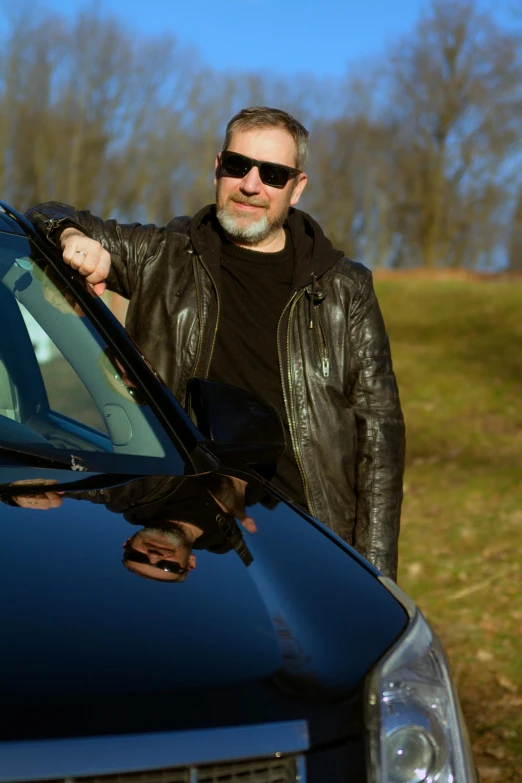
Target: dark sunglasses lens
x,y
273,175
168,565
141,557
136,557
235,165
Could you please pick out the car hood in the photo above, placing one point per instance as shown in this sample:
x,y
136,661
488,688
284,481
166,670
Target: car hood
x,y
283,622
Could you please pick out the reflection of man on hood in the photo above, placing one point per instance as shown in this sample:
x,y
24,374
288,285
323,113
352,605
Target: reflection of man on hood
x,y
195,516
178,515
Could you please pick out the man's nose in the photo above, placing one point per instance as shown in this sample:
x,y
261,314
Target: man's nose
x,y
251,182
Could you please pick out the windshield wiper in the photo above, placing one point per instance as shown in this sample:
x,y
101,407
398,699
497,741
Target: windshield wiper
x,y
35,458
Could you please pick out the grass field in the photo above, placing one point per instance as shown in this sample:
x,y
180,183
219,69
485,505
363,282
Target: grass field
x,y
457,349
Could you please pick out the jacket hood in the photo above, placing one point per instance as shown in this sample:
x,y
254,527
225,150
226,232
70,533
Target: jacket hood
x,y
314,254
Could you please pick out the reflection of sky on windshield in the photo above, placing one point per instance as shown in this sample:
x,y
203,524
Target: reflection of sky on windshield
x,y
80,614
44,348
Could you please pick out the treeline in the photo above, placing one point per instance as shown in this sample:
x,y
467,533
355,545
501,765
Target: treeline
x,y
415,158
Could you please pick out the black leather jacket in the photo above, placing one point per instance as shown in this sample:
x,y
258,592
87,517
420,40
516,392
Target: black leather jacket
x,y
340,392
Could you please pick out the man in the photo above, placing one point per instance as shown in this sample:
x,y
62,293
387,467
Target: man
x,y
195,516
250,292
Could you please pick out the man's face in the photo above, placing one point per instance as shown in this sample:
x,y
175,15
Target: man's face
x,y
158,544
248,210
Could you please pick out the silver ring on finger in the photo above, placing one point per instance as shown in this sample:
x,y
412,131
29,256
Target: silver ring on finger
x,y
81,252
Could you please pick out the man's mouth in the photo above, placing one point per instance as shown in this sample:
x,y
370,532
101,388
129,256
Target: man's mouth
x,y
249,204
248,207
159,545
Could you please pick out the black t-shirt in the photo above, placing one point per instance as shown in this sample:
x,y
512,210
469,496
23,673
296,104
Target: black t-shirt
x,y
255,287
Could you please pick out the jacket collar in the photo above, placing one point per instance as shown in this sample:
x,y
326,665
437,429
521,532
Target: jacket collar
x,y
314,254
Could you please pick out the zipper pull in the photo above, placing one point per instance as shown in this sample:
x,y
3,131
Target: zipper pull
x,y
51,224
326,367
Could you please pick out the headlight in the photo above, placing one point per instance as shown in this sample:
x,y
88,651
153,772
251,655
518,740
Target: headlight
x,y
416,730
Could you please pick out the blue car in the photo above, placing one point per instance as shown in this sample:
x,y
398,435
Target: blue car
x,y
168,615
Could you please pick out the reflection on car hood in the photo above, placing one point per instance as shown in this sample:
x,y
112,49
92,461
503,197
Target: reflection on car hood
x,y
269,624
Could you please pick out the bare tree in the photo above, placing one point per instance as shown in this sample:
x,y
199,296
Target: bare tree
x,y
413,160
456,108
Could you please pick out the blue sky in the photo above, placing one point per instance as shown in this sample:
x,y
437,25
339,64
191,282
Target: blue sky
x,y
284,37
280,36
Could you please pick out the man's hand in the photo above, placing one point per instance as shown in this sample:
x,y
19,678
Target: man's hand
x,y
87,256
38,502
43,502
231,498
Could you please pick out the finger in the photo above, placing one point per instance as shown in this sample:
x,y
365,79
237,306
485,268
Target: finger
x,y
54,500
87,256
40,502
95,267
69,248
249,524
85,262
99,288
34,502
101,268
21,500
79,259
74,250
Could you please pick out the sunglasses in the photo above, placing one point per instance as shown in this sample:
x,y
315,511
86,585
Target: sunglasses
x,y
164,565
233,164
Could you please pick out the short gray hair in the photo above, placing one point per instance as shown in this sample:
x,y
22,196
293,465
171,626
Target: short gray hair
x,y
257,117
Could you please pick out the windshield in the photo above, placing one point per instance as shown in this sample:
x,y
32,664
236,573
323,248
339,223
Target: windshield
x,y
64,393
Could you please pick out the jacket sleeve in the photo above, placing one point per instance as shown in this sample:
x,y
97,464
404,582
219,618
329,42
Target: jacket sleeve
x,y
130,244
380,435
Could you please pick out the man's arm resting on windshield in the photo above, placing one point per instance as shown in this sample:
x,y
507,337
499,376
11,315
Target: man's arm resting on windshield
x,y
381,436
129,244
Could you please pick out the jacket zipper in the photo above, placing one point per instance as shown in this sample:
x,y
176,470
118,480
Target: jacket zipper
x,y
51,224
200,308
200,314
322,346
288,402
215,331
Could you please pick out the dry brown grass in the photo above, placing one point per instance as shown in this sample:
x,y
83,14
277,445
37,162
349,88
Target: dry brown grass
x,y
457,346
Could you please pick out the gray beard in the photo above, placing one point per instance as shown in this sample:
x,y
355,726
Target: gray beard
x,y
249,233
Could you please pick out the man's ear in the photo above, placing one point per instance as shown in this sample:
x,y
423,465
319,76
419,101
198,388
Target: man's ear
x,y
217,166
299,186
192,562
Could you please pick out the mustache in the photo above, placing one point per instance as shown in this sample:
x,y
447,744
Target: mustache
x,y
251,202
